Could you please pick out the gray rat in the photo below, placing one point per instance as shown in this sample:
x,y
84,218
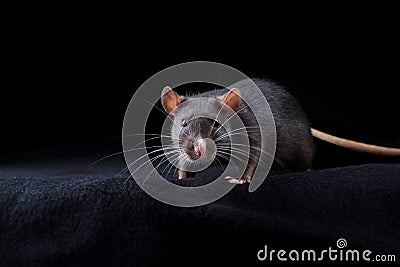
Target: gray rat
x,y
294,149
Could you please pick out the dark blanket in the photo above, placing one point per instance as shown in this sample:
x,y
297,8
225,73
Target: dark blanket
x,y
70,213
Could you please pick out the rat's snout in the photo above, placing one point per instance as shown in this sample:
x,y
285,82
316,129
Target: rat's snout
x,y
197,150
200,147
194,148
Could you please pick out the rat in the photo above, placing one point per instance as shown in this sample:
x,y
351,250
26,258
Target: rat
x,y
294,149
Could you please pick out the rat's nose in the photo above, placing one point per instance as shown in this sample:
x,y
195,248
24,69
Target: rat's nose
x,y
199,147
197,151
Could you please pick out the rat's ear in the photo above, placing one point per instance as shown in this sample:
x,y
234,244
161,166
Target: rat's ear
x,y
170,99
232,99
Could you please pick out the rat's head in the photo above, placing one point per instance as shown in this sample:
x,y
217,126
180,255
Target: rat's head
x,y
192,131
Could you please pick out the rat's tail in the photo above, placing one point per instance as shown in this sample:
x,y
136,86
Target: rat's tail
x,y
358,146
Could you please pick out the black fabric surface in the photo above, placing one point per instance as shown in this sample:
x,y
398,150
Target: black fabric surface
x,y
70,213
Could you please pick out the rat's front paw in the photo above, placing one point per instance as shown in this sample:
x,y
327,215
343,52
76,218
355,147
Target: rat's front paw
x,y
182,174
234,180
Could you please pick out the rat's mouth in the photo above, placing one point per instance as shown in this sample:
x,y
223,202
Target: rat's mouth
x,y
194,153
195,149
199,153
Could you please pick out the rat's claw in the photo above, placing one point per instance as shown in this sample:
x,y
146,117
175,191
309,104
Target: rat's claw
x,y
233,180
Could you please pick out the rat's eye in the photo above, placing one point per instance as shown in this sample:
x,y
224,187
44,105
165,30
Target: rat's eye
x,y
183,123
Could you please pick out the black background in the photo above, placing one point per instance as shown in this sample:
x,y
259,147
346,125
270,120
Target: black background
x,y
71,81
67,82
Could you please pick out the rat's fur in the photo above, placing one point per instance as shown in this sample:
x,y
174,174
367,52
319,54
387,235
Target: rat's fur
x,y
295,147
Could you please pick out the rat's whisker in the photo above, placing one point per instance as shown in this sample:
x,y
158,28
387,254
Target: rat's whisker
x,y
236,130
226,158
172,164
241,152
155,169
225,139
244,127
250,147
149,161
152,152
234,156
156,136
146,162
216,117
138,144
275,158
129,150
180,157
235,114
